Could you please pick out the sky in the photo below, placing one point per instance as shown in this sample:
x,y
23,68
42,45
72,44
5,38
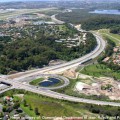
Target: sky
x,y
23,0
16,0
7,0
43,0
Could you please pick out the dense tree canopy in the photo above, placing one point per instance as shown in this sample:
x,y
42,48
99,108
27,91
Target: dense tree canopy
x,y
26,53
100,23
115,30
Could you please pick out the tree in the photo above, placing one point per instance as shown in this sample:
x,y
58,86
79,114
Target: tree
x,y
36,111
25,103
1,114
16,105
4,108
30,107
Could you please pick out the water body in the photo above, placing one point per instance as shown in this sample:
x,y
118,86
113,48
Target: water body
x,y
110,12
50,82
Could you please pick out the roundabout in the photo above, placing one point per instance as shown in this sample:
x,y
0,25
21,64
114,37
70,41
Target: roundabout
x,y
50,81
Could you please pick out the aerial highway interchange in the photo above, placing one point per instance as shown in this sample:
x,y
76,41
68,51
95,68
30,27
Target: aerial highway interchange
x,y
21,80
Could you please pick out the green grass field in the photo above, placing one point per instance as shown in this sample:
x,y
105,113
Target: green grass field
x,y
100,70
106,34
49,107
36,81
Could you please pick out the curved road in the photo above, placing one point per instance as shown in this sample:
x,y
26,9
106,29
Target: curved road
x,y
54,19
62,67
52,94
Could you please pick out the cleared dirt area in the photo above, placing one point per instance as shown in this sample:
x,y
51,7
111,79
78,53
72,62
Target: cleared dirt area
x,y
71,73
99,86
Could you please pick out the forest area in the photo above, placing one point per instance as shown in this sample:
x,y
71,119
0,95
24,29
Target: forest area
x,y
29,52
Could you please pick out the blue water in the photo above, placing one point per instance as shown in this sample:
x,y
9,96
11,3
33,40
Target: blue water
x,y
110,12
50,82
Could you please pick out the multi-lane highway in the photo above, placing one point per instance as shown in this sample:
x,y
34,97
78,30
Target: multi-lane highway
x,y
49,93
56,20
62,67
